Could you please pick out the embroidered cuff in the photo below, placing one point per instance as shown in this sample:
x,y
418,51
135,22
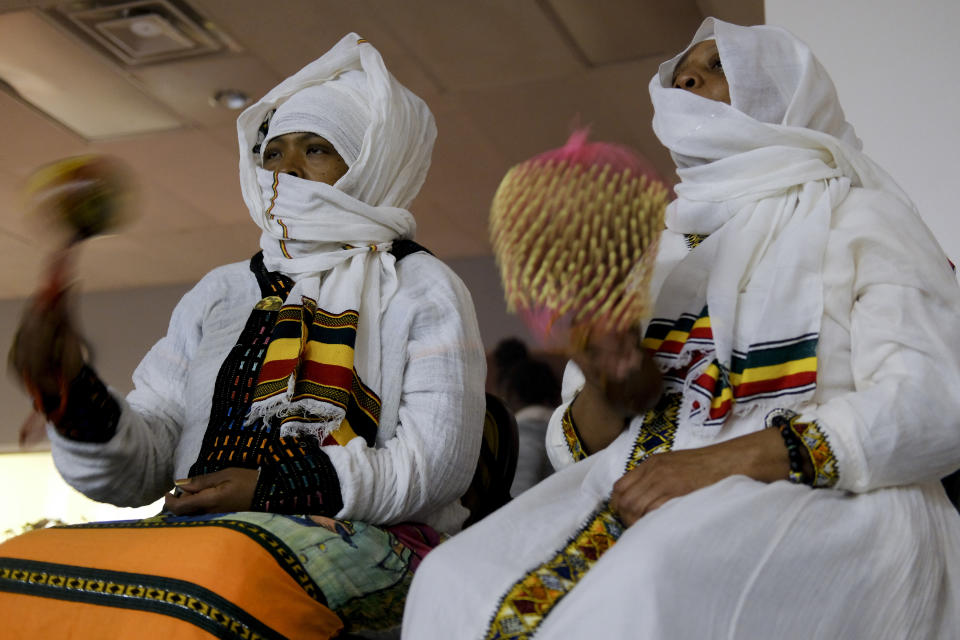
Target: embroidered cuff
x,y
297,477
91,413
571,435
826,472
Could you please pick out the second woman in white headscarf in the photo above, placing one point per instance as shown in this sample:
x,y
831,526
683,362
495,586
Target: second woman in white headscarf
x,y
786,483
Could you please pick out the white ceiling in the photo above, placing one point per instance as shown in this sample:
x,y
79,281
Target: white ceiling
x,y
505,79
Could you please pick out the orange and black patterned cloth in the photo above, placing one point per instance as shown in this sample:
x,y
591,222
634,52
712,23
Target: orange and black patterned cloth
x,y
240,575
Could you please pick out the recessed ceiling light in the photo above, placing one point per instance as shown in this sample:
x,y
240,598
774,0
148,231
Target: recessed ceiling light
x,y
230,99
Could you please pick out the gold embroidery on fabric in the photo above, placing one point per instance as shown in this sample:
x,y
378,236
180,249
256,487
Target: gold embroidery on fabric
x,y
694,239
570,436
129,592
270,303
530,599
826,472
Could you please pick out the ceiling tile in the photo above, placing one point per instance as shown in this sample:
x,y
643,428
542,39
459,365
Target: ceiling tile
x,y
464,173
191,165
126,260
13,215
746,12
292,33
31,139
620,30
187,87
21,265
158,210
480,44
505,78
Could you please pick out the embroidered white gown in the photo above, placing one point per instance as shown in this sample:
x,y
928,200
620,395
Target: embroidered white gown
x,y
876,556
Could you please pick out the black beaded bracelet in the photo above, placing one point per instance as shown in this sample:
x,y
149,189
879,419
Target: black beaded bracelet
x,y
781,419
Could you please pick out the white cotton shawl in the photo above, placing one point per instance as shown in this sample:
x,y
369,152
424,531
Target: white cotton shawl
x,y
760,176
334,240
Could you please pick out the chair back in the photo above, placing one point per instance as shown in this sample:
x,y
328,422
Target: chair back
x,y
490,488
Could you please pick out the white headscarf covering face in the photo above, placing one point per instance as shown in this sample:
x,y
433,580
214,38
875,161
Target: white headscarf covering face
x,y
795,90
394,156
760,176
334,240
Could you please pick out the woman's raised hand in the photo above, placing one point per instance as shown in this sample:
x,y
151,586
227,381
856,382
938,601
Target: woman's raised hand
x,y
617,365
46,354
621,381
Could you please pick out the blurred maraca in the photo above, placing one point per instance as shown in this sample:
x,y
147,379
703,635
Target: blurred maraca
x,y
83,196
574,232
86,195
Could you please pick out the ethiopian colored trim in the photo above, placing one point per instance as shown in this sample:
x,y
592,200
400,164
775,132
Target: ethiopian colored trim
x,y
317,347
167,596
765,370
667,337
571,436
525,605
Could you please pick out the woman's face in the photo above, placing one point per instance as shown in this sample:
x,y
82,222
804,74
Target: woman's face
x,y
304,155
699,71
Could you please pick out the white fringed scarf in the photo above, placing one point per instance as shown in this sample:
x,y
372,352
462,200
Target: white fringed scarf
x,y
334,240
760,176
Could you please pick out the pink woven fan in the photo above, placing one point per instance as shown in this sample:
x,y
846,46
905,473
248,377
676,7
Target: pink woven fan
x,y
574,232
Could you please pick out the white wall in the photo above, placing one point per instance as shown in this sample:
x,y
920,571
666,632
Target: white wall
x,y
33,490
895,66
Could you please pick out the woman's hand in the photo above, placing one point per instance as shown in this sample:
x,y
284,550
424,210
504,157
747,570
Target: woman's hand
x,y
621,381
46,352
616,364
661,477
223,491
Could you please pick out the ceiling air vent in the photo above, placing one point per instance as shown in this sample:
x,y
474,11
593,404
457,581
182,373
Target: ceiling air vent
x,y
146,31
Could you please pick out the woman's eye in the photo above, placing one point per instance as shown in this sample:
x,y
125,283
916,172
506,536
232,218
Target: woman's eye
x,y
270,155
316,149
718,65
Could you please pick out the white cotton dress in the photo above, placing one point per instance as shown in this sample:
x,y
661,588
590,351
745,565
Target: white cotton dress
x,y
807,241
876,556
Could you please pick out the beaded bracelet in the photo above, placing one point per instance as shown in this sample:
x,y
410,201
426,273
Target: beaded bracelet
x,y
782,420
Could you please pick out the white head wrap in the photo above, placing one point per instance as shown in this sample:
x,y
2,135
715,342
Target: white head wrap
x,y
336,110
333,240
761,176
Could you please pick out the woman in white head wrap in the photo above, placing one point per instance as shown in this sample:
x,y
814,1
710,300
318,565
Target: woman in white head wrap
x,y
338,374
786,484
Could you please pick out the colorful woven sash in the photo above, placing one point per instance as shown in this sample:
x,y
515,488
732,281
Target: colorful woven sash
x,y
228,441
764,371
312,351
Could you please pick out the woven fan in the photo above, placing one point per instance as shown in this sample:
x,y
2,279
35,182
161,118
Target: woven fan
x,y
575,232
